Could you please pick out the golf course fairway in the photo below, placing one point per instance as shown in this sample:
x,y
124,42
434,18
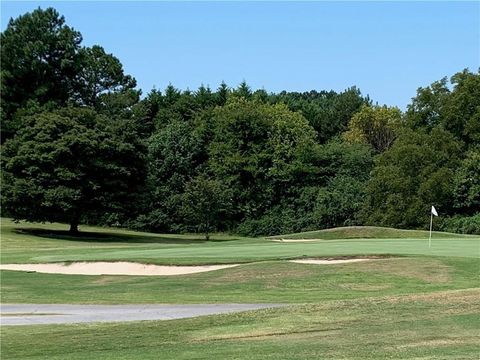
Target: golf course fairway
x,y
408,301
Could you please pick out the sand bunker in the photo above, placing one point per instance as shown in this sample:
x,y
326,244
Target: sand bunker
x,y
327,262
137,269
112,268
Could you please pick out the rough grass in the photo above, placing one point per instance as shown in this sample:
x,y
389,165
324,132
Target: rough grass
x,y
376,328
276,281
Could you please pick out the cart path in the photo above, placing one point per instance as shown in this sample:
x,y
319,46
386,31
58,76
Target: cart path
x,y
36,314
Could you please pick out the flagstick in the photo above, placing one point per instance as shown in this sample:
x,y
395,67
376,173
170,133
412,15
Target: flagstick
x,y
430,238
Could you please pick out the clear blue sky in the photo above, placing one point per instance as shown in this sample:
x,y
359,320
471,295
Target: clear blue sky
x,y
387,49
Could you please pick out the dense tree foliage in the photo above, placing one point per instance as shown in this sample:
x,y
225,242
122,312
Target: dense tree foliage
x,y
327,112
260,151
70,164
377,126
205,203
417,171
434,159
456,110
39,63
101,74
174,157
73,152
81,145
44,65
467,184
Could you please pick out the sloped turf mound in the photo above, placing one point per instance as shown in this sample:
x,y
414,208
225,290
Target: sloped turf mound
x,y
364,232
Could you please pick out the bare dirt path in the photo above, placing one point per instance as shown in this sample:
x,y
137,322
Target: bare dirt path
x,y
35,314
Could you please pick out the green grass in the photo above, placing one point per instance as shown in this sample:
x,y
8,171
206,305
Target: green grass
x,y
32,243
421,303
262,282
367,232
439,326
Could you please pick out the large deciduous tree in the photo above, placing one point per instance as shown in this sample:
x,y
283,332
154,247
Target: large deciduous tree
x,y
71,163
259,150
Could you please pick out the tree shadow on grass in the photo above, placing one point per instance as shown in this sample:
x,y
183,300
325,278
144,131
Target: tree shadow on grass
x,y
101,237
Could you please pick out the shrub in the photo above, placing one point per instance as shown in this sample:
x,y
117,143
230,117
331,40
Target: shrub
x,y
461,224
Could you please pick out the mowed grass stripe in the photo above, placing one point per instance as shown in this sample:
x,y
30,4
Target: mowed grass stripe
x,y
200,254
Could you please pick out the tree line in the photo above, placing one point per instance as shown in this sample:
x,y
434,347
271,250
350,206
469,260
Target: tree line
x,y
81,145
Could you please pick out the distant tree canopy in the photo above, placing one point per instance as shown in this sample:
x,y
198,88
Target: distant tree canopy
x,y
81,145
377,126
456,109
433,160
416,171
327,112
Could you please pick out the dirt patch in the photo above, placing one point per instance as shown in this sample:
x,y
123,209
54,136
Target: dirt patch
x,y
440,342
110,279
266,334
269,276
457,298
431,271
112,268
365,287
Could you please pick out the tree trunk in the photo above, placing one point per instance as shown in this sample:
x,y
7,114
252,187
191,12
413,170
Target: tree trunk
x,y
74,227
207,228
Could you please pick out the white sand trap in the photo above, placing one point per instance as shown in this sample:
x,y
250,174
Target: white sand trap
x,y
295,240
112,268
327,262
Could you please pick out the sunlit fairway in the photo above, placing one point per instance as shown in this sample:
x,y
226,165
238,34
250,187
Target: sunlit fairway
x,y
51,243
417,302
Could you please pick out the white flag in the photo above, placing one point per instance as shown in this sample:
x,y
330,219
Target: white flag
x,y
434,211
